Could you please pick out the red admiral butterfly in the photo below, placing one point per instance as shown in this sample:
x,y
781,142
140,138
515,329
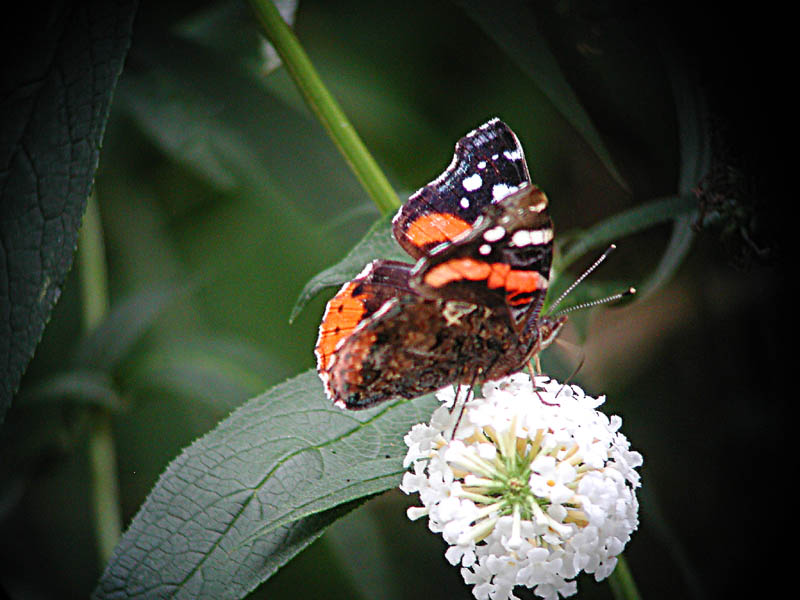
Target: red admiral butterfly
x,y
469,309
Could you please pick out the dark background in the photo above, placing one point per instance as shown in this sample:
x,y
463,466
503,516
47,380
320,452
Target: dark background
x,y
215,174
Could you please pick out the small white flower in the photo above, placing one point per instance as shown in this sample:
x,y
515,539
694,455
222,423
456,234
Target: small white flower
x,y
534,487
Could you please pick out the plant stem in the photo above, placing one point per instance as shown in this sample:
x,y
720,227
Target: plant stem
x,y
94,278
325,106
626,223
102,454
621,581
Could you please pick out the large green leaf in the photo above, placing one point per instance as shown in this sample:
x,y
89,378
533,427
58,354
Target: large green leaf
x,y
217,371
59,74
241,501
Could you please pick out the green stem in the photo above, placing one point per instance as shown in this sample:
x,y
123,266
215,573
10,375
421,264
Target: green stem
x,y
94,278
101,451
325,106
105,490
621,581
626,223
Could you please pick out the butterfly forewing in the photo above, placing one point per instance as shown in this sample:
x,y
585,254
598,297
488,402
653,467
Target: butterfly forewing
x,y
488,164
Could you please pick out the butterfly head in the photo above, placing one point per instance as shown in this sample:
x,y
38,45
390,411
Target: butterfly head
x,y
549,328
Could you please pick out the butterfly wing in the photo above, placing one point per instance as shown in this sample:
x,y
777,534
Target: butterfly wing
x,y
469,310
414,346
356,301
502,263
488,164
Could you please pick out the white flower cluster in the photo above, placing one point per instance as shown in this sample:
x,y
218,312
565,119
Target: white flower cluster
x,y
534,487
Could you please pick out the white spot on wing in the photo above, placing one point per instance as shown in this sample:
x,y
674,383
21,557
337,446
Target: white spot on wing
x,y
494,234
501,190
464,203
484,249
513,154
526,237
472,183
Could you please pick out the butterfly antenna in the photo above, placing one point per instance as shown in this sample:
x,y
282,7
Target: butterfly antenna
x,y
594,265
629,292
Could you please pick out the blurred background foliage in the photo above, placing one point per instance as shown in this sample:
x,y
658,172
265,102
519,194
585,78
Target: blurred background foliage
x,y
221,196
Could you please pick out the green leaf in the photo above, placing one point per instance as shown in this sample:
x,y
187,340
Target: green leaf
x,y
694,138
175,97
126,324
242,500
220,372
55,95
622,224
515,28
79,386
680,242
377,243
228,28
694,135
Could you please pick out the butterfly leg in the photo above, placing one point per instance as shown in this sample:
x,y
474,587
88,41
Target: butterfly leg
x,y
470,394
535,368
575,372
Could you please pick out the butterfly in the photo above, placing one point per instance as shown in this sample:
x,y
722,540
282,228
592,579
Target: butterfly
x,y
469,309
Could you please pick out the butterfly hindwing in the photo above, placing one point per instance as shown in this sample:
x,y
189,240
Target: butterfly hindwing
x,y
414,346
356,301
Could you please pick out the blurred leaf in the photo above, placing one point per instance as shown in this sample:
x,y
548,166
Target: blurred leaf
x,y
219,372
80,386
694,138
616,227
515,28
680,242
694,135
377,243
243,499
185,126
126,323
229,129
363,553
228,27
55,95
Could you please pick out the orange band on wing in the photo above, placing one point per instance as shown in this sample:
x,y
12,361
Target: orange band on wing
x,y
525,281
457,269
343,314
497,275
435,228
